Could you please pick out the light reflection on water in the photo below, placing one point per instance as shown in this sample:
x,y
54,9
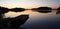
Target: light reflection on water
x,y
43,21
30,12
38,20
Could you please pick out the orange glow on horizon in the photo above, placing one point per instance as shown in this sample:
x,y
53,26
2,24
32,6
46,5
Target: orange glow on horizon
x,y
27,6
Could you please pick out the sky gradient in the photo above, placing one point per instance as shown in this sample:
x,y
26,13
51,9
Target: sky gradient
x,y
29,3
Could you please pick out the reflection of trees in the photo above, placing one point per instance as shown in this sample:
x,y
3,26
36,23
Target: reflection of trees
x,y
43,9
17,9
58,10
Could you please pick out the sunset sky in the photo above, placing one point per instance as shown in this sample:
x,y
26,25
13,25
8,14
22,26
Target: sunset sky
x,y
29,3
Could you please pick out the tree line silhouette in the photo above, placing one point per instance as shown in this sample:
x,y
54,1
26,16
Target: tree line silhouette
x,y
3,10
43,9
58,11
39,9
17,9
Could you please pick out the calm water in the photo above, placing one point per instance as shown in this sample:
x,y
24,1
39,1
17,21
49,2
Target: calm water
x,y
38,20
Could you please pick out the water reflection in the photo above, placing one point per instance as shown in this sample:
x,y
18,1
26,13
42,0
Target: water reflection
x,y
38,20
43,21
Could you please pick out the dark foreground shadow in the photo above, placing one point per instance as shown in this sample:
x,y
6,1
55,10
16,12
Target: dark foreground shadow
x,y
13,23
42,9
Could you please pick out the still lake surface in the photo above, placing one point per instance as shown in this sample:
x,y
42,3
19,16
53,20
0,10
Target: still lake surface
x,y
38,20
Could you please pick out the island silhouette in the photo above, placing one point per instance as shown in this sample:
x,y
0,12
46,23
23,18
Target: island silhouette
x,y
42,9
58,10
17,9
